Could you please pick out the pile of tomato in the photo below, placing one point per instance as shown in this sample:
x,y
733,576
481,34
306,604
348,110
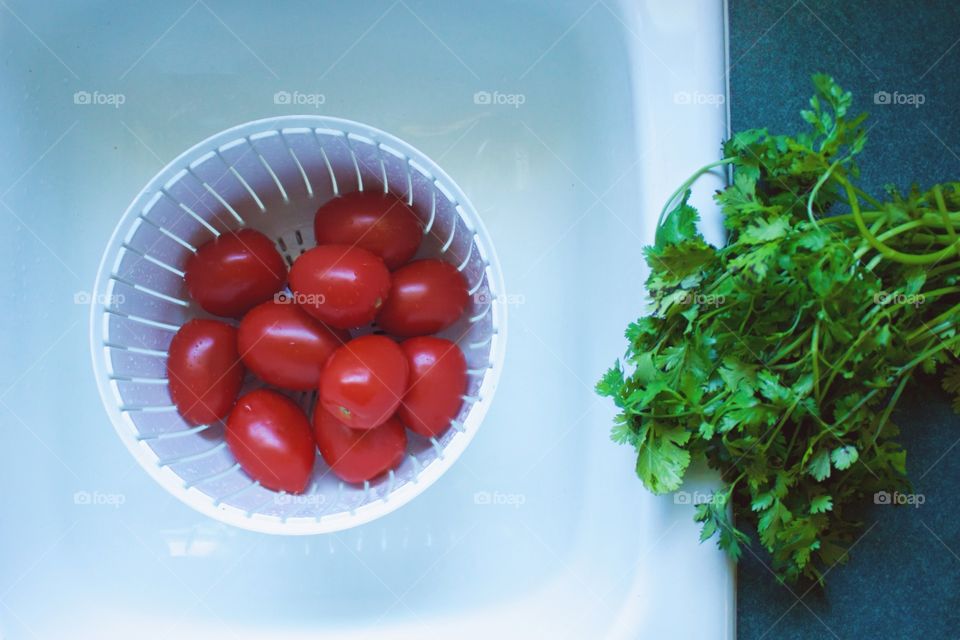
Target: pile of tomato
x,y
294,334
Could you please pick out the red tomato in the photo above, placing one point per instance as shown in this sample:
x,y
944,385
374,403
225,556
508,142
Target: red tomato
x,y
270,437
285,346
340,285
427,296
381,223
438,380
233,273
204,371
364,381
355,455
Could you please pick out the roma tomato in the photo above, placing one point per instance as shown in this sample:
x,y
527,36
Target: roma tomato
x,y
340,285
204,372
381,223
426,296
233,273
364,381
438,380
354,455
270,437
285,346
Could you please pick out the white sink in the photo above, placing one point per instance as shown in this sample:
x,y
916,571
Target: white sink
x,y
566,123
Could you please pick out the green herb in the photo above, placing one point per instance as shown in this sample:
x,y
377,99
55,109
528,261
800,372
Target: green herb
x,y
780,356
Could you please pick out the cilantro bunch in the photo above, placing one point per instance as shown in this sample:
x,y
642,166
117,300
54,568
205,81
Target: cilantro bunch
x,y
780,356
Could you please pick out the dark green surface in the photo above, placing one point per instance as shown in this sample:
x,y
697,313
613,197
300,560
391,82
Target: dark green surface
x,y
903,579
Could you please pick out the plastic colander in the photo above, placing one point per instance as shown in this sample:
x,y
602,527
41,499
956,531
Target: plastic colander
x,y
272,175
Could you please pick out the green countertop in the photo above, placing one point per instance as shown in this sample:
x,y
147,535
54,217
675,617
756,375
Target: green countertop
x,y
903,579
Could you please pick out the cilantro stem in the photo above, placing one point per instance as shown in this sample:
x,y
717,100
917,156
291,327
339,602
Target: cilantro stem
x,y
689,182
889,252
814,343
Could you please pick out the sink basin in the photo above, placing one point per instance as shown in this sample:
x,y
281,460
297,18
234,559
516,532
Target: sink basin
x,y
566,123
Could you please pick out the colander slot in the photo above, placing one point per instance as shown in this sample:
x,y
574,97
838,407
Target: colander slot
x,y
396,172
147,321
138,380
193,214
342,162
478,317
133,267
147,408
152,292
333,176
186,245
479,344
138,350
213,477
136,397
260,507
145,239
433,213
186,191
473,290
226,498
122,362
303,173
123,330
240,154
223,203
191,457
156,261
463,265
285,165
369,162
276,180
173,434
166,215
212,170
446,245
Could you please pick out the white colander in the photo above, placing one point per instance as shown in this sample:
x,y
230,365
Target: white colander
x,y
271,175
